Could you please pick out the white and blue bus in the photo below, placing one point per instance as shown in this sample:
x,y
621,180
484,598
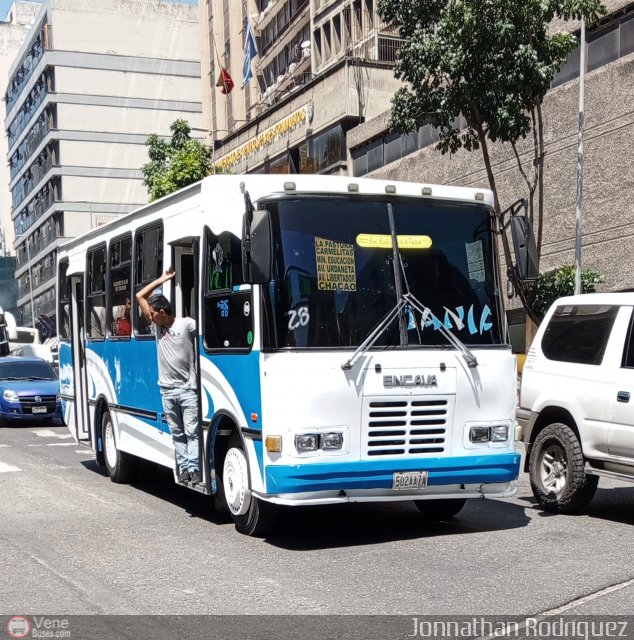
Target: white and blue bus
x,y
351,342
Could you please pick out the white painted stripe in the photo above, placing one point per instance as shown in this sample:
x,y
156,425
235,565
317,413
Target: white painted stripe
x,y
7,468
61,444
5,446
49,433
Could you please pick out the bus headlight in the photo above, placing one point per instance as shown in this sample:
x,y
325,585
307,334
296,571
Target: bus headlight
x,y
330,441
494,433
307,442
10,395
479,434
499,433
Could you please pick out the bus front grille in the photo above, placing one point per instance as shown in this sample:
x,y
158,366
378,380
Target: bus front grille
x,y
407,426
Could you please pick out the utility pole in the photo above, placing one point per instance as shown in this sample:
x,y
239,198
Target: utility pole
x,y
579,208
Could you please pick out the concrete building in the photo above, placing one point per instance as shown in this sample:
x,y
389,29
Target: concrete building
x,y
323,66
608,214
88,86
14,28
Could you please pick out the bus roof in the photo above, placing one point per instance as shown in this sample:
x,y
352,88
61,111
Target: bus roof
x,y
213,187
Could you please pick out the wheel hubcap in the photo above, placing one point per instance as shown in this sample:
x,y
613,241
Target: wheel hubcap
x,y
235,479
553,469
109,446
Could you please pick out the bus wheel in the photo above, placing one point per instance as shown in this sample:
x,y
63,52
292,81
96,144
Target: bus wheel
x,y
433,510
121,466
251,515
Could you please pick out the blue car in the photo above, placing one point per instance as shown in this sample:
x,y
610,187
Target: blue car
x,y
29,391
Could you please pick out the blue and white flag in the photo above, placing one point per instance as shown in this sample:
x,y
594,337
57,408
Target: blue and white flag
x,y
250,51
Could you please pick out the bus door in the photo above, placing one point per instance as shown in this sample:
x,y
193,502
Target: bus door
x,y
79,418
185,298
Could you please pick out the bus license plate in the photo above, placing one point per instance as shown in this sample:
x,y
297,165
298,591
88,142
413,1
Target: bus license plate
x,y
39,408
408,480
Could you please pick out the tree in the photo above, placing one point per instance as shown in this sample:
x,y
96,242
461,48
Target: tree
x,y
560,282
174,164
489,61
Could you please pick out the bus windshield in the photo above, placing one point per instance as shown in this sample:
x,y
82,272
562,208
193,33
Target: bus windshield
x,y
334,278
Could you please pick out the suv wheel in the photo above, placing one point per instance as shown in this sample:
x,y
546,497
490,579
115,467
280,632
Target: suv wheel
x,y
558,480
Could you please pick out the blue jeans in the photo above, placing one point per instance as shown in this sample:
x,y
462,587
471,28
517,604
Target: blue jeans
x,y
181,410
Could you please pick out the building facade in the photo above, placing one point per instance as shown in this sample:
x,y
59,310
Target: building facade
x,y
87,87
14,28
608,217
322,67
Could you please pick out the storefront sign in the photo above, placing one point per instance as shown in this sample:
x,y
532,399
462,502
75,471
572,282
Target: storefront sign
x,y
267,137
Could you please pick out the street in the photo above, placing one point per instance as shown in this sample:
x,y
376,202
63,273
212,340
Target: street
x,y
73,542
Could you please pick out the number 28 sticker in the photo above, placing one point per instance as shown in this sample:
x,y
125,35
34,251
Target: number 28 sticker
x,y
298,318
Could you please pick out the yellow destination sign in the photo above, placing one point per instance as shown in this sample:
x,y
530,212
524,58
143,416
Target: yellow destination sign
x,y
384,241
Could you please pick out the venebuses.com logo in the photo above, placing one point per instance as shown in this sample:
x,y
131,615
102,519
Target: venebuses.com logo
x,y
18,627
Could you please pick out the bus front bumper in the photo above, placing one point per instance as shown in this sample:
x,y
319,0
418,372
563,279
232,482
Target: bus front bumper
x,y
468,476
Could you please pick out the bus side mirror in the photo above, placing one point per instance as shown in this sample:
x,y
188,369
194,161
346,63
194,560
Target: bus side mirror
x,y
524,247
257,247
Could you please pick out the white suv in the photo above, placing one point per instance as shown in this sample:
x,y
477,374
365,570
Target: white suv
x,y
575,412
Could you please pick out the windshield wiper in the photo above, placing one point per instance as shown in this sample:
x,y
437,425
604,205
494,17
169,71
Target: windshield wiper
x,y
38,378
406,298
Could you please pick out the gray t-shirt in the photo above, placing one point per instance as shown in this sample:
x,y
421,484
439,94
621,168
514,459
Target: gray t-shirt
x,y
175,352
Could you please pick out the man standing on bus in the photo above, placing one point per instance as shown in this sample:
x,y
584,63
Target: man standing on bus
x,y
177,375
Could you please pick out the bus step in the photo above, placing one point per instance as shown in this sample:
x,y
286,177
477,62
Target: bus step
x,y
201,487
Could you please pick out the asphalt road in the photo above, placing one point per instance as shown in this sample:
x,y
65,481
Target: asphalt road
x,y
73,542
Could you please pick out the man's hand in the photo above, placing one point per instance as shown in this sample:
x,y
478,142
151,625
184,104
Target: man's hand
x,y
170,273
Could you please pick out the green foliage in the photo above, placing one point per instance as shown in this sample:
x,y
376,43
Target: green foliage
x,y
490,60
174,164
560,282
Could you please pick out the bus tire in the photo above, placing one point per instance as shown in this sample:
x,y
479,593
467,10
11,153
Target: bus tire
x,y
251,516
556,469
435,510
121,466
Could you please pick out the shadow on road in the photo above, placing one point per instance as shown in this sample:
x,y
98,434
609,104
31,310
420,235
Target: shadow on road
x,y
331,526
326,527
158,481
613,503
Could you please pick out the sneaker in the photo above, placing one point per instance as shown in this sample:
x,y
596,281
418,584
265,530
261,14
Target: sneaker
x,y
183,476
194,477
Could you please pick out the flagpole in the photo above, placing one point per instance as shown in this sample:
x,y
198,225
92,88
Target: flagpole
x,y
579,207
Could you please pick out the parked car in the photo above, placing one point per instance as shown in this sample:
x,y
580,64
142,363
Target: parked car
x,y
576,397
29,391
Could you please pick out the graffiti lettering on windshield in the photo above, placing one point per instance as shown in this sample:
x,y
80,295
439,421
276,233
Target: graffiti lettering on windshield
x,y
458,320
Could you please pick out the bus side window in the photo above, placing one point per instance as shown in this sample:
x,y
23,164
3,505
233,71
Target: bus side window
x,y
148,265
63,287
120,287
228,302
96,293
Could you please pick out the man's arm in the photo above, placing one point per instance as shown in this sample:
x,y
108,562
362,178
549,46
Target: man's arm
x,y
143,295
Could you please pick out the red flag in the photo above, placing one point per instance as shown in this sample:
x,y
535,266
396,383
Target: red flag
x,y
224,81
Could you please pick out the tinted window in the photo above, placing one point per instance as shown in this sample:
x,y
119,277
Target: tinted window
x,y
148,265
228,321
335,279
63,329
628,353
96,293
579,333
19,370
120,286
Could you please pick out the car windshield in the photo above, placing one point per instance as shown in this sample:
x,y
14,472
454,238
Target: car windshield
x,y
334,278
17,370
